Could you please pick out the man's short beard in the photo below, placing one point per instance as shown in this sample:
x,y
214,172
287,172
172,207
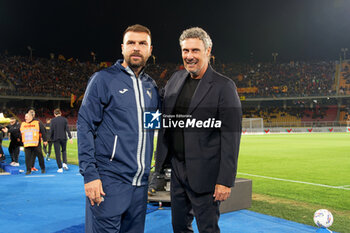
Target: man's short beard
x,y
193,73
136,66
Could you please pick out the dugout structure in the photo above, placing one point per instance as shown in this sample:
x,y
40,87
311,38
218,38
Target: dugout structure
x,y
253,125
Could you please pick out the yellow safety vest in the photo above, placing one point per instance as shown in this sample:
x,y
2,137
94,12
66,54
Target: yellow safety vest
x,y
30,133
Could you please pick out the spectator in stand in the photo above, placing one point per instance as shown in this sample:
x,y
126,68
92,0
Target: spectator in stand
x,y
61,78
47,148
14,133
31,130
58,134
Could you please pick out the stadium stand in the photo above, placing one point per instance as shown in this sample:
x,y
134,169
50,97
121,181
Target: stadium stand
x,y
344,83
281,92
283,79
51,77
44,77
328,113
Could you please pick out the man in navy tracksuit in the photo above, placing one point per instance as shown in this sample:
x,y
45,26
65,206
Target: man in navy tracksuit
x,y
114,149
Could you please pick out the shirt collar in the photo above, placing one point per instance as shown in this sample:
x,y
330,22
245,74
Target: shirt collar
x,y
128,69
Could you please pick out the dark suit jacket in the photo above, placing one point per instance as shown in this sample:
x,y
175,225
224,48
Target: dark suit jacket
x,y
59,129
210,154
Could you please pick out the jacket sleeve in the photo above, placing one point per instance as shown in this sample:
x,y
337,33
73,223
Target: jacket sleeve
x,y
230,114
51,131
67,128
162,148
43,131
89,117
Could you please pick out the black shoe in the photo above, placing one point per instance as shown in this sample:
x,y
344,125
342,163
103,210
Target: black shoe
x,y
28,172
43,171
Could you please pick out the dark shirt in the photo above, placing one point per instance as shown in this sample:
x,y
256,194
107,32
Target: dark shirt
x,y
1,135
59,129
14,131
42,128
181,107
48,132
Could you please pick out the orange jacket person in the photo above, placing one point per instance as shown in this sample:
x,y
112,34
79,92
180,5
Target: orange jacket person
x,y
31,130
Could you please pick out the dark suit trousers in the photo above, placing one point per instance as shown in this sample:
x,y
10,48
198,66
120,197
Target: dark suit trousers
x,y
47,148
39,154
14,148
186,204
58,144
30,154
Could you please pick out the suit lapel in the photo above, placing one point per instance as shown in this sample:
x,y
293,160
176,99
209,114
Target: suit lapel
x,y
201,90
174,92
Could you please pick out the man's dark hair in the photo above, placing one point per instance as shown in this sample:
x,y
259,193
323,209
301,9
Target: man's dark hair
x,y
137,28
57,111
32,112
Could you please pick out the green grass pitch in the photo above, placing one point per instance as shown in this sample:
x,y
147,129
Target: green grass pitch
x,y
296,174
293,174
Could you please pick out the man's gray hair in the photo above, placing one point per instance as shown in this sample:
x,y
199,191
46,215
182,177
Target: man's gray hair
x,y
197,33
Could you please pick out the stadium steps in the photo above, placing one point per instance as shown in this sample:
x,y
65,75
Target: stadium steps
x,y
342,116
330,115
342,81
335,85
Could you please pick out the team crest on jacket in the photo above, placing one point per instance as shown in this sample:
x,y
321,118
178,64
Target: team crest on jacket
x,y
149,92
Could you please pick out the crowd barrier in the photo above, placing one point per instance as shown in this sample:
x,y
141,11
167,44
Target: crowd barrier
x,y
277,130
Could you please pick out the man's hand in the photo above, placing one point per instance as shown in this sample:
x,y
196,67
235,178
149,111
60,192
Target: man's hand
x,y
71,141
94,190
45,143
5,130
221,192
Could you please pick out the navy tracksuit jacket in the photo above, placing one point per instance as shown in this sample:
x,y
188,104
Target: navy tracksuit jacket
x,y
112,144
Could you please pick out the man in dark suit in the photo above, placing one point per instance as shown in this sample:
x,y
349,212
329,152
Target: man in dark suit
x,y
58,134
203,147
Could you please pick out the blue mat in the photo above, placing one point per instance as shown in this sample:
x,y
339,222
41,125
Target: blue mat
x,y
243,221
55,202
41,202
9,169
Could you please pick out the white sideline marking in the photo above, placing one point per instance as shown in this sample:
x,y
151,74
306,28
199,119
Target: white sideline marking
x,y
295,181
33,176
